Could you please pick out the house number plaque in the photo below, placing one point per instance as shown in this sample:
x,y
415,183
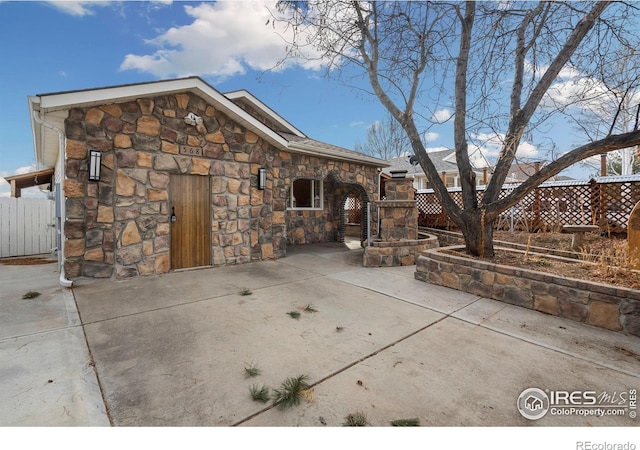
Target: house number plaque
x,y
191,151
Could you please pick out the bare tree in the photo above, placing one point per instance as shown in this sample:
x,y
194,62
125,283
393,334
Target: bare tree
x,y
623,162
496,62
385,140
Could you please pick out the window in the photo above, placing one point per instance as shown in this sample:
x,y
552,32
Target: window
x,y
306,194
451,180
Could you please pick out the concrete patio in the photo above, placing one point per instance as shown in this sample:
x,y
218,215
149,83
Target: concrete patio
x,y
171,350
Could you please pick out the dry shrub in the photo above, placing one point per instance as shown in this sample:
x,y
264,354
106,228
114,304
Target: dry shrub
x,y
613,260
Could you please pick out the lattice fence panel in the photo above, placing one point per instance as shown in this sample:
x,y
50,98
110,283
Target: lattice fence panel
x,y
566,205
548,208
353,209
617,200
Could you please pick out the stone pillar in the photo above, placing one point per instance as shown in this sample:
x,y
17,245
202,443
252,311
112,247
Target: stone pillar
x,y
633,237
398,213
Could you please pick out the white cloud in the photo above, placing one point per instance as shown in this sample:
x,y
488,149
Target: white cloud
x,y
224,39
527,150
442,115
430,136
577,93
591,96
567,72
78,8
5,187
489,145
356,123
25,169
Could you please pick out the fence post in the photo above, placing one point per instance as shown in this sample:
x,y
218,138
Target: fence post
x,y
594,202
536,210
368,224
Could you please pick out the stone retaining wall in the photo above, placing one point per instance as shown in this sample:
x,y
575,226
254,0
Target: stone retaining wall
x,y
396,253
605,306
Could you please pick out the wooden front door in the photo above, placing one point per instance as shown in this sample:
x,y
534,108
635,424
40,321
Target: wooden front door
x,y
190,206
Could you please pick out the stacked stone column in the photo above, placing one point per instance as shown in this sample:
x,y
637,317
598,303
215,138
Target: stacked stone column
x,y
397,243
398,213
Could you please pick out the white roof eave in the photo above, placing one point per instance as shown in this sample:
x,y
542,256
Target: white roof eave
x,y
36,130
244,94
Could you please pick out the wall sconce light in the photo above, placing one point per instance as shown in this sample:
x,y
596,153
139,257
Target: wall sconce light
x,y
262,178
95,158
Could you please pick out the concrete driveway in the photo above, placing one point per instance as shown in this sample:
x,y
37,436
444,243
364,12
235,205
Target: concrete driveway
x,y
172,350
46,374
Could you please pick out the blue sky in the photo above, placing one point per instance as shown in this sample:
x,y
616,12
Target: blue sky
x,y
51,47
58,46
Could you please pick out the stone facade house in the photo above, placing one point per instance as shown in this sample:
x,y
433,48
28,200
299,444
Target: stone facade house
x,y
188,177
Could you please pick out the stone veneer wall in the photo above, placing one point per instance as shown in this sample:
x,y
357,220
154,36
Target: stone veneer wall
x,y
340,179
120,225
597,304
398,212
397,243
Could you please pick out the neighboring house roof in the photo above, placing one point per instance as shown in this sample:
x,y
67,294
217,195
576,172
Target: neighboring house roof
x,y
262,120
443,160
521,170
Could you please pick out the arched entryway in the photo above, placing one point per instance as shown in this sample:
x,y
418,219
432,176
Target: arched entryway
x,y
353,218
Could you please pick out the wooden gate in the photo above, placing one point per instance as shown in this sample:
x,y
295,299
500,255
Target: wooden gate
x,y
190,204
27,226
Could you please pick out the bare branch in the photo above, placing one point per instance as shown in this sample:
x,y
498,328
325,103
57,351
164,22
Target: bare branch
x,y
605,145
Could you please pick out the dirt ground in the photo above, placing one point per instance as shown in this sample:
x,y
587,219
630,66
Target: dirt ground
x,y
26,261
593,241
602,259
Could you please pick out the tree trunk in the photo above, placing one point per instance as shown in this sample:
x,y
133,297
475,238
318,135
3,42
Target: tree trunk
x,y
477,230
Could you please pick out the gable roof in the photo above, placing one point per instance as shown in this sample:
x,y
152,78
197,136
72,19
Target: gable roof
x,y
299,144
521,170
247,101
53,108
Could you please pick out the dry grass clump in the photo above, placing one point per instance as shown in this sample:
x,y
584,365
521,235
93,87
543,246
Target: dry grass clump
x,y
291,391
611,261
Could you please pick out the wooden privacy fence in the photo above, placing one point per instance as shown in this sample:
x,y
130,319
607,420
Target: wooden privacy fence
x,y
26,226
603,201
